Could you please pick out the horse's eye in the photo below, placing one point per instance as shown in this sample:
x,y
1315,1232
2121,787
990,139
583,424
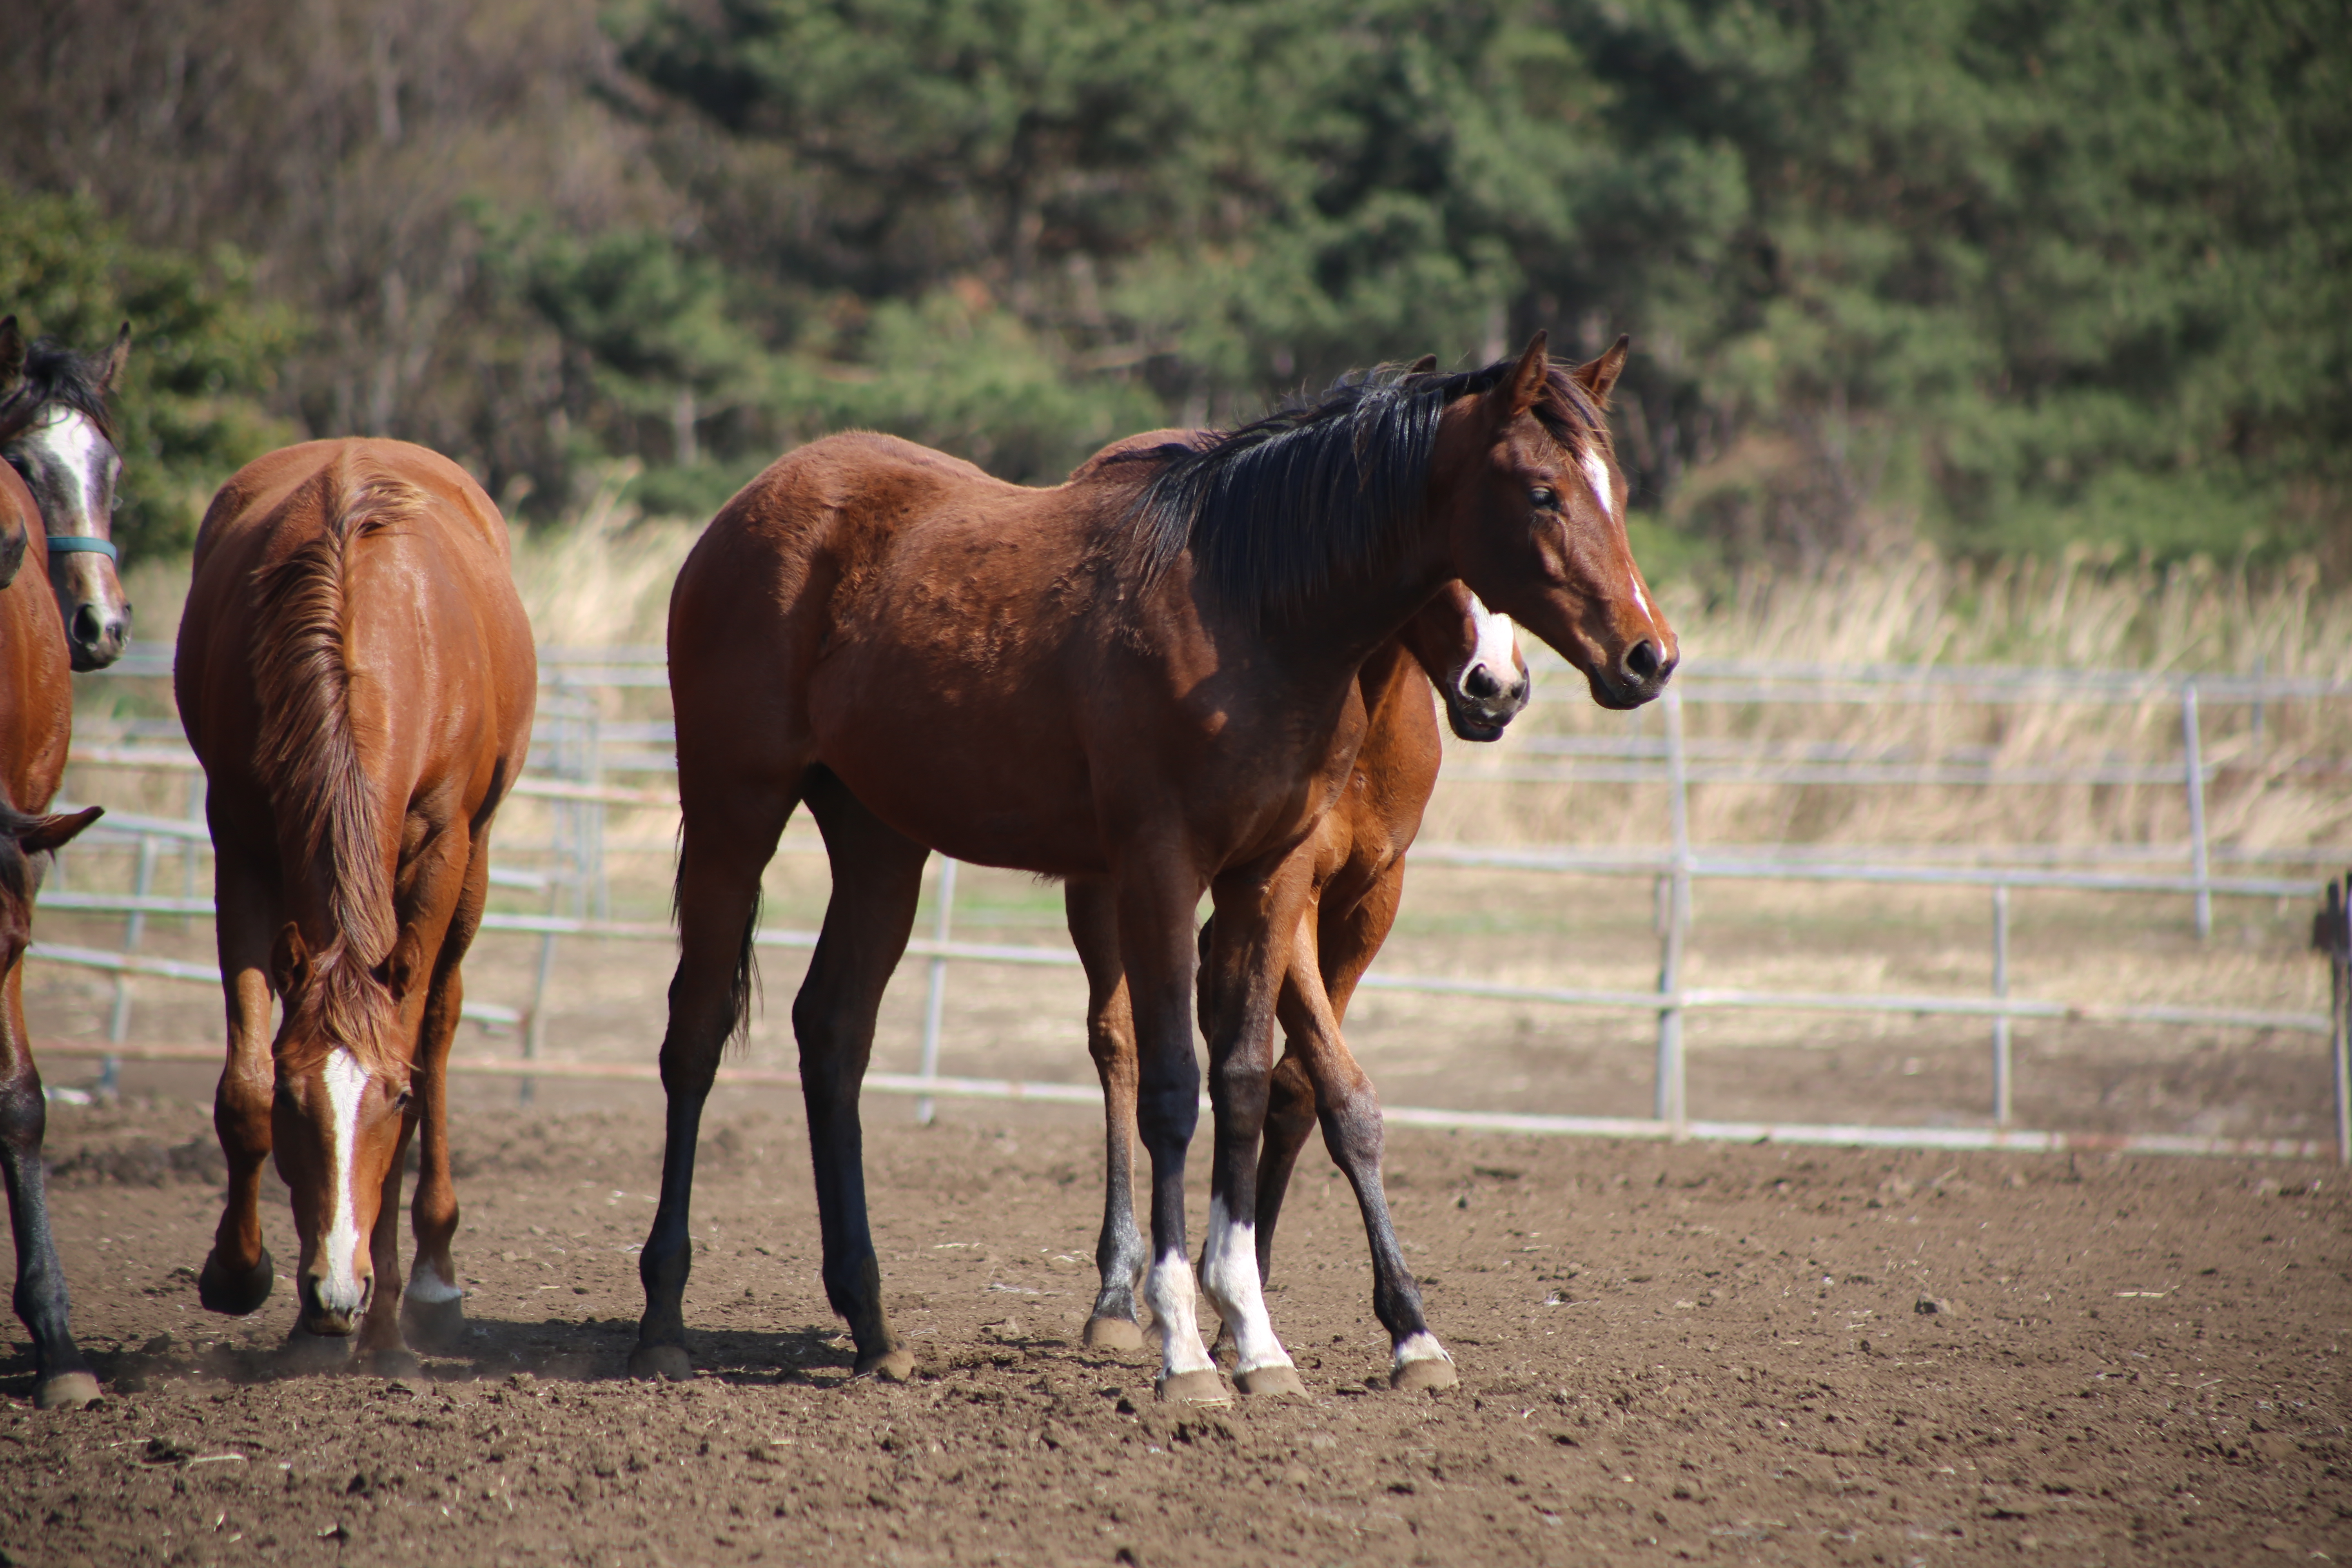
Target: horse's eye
x,y
399,1101
1544,497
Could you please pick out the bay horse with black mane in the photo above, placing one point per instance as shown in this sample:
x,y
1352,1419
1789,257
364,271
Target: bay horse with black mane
x,y
356,675
1145,678
1470,657
56,433
35,732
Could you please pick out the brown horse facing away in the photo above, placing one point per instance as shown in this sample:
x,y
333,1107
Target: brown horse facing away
x,y
357,676
56,432
1355,884
36,727
1146,677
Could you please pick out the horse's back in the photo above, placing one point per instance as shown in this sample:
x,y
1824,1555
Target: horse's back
x,y
35,684
434,636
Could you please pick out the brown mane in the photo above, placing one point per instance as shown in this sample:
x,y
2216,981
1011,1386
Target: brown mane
x,y
310,761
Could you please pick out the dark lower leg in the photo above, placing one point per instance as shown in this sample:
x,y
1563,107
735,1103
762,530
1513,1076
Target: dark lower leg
x,y
1120,1257
1289,1121
40,1297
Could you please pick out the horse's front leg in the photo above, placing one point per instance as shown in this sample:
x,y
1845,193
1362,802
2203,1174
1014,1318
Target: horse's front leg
x,y
1258,908
1119,1253
63,1378
239,1272
1155,940
432,1306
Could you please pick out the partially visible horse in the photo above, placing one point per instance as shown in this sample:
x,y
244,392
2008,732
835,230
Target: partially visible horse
x,y
1356,855
54,431
356,674
1146,677
36,727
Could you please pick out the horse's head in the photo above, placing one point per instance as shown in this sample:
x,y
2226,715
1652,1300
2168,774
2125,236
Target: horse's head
x,y
1534,508
25,842
54,431
342,1114
1472,655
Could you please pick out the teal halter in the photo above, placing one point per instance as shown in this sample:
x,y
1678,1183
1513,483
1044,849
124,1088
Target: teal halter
x,y
69,544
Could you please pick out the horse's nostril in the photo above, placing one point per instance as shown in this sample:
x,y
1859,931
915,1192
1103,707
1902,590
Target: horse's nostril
x,y
1641,659
87,628
1480,684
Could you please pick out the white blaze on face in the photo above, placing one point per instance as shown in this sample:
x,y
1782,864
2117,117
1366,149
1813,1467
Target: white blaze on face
x,y
1168,1292
69,447
1498,643
1596,474
346,1085
1229,1273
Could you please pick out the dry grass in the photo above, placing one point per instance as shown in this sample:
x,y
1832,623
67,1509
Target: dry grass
x,y
2280,788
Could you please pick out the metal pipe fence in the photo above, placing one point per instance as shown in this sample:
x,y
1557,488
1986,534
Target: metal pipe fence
x,y
575,749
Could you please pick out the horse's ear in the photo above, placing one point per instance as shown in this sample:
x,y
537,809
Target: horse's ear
x,y
397,972
12,355
1601,374
115,359
1423,366
43,834
289,962
1524,387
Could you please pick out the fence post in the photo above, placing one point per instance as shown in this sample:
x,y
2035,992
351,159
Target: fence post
x,y
2196,807
2339,964
1672,1104
134,930
936,1003
2001,993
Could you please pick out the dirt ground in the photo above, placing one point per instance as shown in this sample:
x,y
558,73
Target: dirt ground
x,y
1749,1354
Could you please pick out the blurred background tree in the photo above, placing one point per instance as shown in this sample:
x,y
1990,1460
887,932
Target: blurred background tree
x,y
2004,277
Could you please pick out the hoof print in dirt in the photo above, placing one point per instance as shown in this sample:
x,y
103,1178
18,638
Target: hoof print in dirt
x,y
438,1327
218,1291
1204,1387
397,1362
1271,1383
895,1364
661,1363
1433,1372
308,1353
1112,1334
66,1390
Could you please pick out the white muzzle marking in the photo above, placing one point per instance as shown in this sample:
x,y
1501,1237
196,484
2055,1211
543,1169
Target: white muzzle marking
x,y
341,1291
1229,1273
1497,645
1169,1294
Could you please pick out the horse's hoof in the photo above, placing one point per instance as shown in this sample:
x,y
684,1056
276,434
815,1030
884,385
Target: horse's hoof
x,y
1269,1382
220,1292
1112,1334
66,1390
394,1361
661,1363
437,1326
306,1352
1202,1387
1435,1372
895,1364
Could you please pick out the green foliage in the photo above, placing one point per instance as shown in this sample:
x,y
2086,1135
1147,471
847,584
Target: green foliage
x,y
190,408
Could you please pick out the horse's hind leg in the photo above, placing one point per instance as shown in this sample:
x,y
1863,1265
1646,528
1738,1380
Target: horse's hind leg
x,y
1349,1110
64,1380
878,879
239,1272
1119,1253
729,836
433,1303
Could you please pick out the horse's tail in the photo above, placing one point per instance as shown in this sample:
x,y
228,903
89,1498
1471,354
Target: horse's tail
x,y
310,756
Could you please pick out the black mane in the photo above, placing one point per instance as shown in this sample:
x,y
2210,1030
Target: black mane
x,y
56,372
1275,510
